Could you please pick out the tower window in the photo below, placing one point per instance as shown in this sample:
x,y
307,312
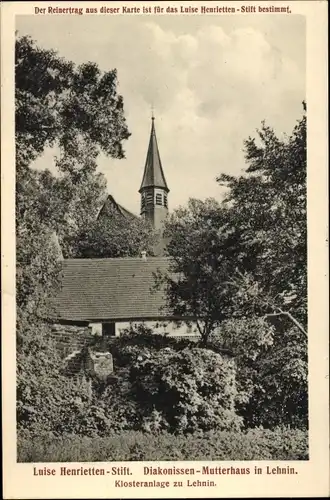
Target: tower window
x,y
165,200
149,199
159,199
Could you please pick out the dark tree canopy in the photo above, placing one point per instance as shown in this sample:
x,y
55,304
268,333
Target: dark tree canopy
x,y
241,265
116,236
248,254
267,207
77,110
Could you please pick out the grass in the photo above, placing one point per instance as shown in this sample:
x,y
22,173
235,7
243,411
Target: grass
x,y
254,444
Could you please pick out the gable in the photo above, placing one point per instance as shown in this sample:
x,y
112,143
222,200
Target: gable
x,y
111,207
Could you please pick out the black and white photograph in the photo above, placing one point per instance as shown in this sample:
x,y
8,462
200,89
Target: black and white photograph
x,y
164,224
161,241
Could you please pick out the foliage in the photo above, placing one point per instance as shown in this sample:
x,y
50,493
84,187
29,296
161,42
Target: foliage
x,y
135,339
70,203
243,261
114,236
47,399
280,396
78,110
44,395
267,210
201,260
248,340
57,102
272,370
255,444
183,391
247,255
37,268
233,265
176,388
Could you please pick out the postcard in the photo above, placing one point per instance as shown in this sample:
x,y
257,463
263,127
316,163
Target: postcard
x,y
164,258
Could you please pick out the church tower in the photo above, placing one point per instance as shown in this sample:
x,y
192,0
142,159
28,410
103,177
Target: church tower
x,y
154,190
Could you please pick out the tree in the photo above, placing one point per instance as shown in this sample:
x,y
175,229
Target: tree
x,y
200,249
242,264
267,207
70,207
247,255
77,108
182,390
272,366
78,111
115,236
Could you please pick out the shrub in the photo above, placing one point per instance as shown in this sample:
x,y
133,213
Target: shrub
x,y
134,340
184,391
255,444
47,400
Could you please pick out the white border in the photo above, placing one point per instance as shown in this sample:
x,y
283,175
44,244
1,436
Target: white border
x,y
313,476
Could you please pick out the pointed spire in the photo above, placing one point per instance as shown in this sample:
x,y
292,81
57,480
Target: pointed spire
x,y
153,171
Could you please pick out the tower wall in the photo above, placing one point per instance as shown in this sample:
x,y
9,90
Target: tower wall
x,y
154,206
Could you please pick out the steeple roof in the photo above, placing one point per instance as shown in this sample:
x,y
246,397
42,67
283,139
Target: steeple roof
x,y
153,171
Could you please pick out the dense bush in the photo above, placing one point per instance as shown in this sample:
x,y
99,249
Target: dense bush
x,y
155,388
165,389
186,390
47,400
247,339
255,444
165,384
281,395
135,339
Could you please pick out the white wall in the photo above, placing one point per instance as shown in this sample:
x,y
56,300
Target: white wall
x,y
171,328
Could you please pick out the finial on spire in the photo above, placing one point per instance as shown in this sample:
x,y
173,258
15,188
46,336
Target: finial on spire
x,y
152,112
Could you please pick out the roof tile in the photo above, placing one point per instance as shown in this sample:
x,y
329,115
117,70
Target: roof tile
x,y
110,289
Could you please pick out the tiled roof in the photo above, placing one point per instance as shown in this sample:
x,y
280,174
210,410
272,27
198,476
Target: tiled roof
x,y
153,171
109,289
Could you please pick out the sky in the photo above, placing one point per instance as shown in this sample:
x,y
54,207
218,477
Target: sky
x,y
210,79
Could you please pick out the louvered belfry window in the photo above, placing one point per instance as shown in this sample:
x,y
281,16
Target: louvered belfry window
x,y
165,200
159,199
149,199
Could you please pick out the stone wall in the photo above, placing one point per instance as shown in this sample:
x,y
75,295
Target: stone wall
x,y
70,338
82,352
